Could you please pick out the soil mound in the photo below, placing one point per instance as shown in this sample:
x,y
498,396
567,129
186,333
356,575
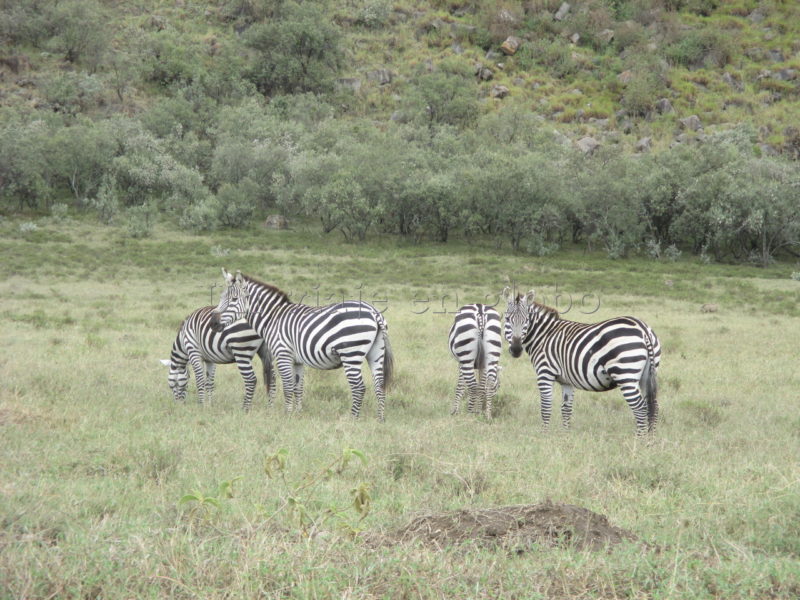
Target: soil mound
x,y
517,528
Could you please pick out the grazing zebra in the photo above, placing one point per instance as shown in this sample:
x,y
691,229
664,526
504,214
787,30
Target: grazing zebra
x,y
621,352
209,337
323,337
475,343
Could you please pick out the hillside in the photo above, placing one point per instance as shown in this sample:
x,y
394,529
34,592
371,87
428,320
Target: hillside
x,y
211,112
617,70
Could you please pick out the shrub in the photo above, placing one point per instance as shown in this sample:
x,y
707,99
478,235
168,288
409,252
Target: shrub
x,y
555,56
73,92
373,14
299,52
236,203
139,220
81,32
697,48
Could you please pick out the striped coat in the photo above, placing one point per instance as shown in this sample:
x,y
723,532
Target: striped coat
x,y
622,352
475,342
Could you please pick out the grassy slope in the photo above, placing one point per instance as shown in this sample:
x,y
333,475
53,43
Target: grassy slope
x,y
95,455
406,41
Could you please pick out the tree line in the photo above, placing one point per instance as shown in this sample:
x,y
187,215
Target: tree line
x,y
228,139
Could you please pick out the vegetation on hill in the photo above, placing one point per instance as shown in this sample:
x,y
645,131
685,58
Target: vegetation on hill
x,y
630,126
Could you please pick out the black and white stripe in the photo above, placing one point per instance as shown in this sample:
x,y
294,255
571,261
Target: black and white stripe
x,y
215,335
344,334
621,352
198,343
475,343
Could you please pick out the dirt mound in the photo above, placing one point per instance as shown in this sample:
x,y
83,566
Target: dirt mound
x,y
517,528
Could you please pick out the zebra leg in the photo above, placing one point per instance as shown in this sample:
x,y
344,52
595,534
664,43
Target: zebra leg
x,y
268,373
199,375
286,370
211,370
298,388
375,360
633,396
546,396
357,388
461,387
567,395
490,390
246,371
468,373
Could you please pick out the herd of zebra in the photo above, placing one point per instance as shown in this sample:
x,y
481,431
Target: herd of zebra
x,y
256,318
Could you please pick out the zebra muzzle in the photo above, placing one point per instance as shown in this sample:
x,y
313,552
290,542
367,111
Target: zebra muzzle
x,y
515,348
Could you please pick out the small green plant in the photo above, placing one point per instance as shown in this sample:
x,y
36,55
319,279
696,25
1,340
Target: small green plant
x,y
298,498
204,506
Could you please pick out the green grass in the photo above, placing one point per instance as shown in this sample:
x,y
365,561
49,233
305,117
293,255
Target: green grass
x,y
96,456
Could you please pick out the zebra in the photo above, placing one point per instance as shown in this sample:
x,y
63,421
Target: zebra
x,y
475,342
620,352
323,337
210,336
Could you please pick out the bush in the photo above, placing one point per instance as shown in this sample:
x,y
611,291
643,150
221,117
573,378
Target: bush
x,y
202,215
139,220
81,31
72,93
237,203
555,56
448,96
299,52
373,14
698,48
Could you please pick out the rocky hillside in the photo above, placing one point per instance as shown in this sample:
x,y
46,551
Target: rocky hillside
x,y
640,73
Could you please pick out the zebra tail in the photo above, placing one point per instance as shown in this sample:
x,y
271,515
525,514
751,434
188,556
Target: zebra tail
x,y
480,358
266,362
388,360
650,387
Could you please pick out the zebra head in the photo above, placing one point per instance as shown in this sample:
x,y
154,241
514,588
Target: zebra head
x,y
178,379
517,319
234,303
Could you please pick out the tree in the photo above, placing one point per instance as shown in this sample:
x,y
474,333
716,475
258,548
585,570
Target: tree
x,y
447,96
300,51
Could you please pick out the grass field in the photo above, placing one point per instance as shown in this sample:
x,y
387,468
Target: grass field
x,y
110,490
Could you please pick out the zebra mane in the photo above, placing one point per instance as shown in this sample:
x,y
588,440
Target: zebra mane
x,y
279,292
547,309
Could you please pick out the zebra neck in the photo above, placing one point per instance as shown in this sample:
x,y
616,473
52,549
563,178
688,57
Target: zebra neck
x,y
267,302
543,324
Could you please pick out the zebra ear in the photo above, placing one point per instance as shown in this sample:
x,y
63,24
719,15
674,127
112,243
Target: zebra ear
x,y
226,276
507,295
239,277
164,362
530,297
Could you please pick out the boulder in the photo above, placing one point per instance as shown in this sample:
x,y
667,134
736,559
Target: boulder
x,y
483,72
511,45
664,106
562,12
499,91
587,144
644,144
692,123
606,36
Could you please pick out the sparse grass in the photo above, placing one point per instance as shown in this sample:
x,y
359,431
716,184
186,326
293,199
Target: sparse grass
x,y
96,456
